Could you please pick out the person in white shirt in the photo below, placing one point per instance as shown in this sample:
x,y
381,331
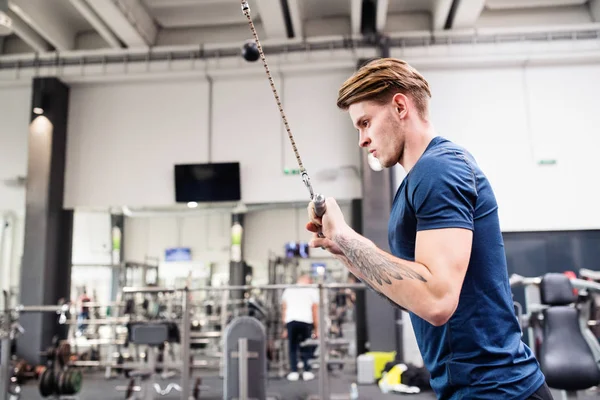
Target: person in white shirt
x,y
299,314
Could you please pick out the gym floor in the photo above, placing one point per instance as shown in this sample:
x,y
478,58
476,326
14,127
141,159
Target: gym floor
x,y
95,387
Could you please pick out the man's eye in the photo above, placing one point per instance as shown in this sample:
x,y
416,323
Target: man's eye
x,y
365,123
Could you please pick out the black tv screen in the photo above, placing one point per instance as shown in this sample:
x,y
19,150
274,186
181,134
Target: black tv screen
x,y
207,182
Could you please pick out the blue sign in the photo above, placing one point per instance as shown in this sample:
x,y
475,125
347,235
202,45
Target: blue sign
x,y
178,254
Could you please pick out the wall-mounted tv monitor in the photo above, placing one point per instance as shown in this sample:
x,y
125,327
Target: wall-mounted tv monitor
x,y
212,182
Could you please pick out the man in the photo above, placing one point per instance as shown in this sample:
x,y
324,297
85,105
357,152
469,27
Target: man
x,y
299,314
447,267
84,314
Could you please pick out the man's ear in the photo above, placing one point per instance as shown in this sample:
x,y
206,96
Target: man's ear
x,y
400,102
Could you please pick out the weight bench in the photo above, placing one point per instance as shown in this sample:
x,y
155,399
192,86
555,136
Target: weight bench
x,y
153,335
566,358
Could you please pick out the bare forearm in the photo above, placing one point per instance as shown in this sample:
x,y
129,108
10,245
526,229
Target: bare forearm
x,y
408,284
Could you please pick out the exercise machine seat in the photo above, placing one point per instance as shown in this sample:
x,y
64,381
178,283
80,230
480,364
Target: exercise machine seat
x,y
565,357
173,335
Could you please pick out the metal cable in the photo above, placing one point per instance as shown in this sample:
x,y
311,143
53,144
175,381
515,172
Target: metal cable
x,y
319,200
246,10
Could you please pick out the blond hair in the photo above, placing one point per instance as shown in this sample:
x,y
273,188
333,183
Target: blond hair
x,y
381,79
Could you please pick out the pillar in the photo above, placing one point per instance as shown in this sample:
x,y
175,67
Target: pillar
x,y
237,269
117,223
46,271
384,331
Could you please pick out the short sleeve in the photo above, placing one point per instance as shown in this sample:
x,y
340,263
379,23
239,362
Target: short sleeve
x,y
284,295
444,192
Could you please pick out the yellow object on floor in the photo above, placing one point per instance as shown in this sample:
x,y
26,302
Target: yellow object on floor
x,y
381,358
394,375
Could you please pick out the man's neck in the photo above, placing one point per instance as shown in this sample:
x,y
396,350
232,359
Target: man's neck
x,y
416,144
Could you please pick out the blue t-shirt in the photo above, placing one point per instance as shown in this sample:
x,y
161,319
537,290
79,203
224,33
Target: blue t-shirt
x,y
478,353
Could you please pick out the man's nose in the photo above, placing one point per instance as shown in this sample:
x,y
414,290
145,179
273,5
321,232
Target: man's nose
x,y
363,140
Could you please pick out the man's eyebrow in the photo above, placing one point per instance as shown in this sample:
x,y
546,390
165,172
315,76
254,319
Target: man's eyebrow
x,y
359,121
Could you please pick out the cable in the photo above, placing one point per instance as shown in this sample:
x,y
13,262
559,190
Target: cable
x,y
319,200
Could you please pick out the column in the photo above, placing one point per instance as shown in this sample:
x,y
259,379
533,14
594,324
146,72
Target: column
x,y
237,270
46,270
382,319
117,223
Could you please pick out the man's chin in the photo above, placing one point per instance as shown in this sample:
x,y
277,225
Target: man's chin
x,y
385,164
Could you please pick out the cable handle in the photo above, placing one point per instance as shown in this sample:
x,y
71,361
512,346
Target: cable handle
x,y
320,209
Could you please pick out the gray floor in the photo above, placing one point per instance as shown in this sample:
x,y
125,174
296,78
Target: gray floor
x,y
95,387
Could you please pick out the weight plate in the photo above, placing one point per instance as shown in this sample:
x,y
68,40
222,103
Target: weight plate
x,y
68,388
75,380
60,383
64,387
64,354
46,384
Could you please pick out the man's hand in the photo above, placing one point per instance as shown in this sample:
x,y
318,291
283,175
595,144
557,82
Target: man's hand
x,y
330,224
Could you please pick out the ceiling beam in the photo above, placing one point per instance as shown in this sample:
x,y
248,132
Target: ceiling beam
x,y
382,12
99,25
272,18
439,14
467,13
27,34
297,15
43,18
129,20
595,10
355,15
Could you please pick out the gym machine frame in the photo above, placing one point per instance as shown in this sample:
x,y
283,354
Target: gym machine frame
x,y
324,393
534,307
63,309
10,325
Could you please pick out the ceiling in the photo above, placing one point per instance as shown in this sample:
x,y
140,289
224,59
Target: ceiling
x,y
72,25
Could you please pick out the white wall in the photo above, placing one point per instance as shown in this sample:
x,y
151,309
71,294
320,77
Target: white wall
x,y
510,118
124,138
208,235
14,121
15,105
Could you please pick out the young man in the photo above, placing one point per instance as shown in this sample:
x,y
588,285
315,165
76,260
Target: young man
x,y
448,266
299,313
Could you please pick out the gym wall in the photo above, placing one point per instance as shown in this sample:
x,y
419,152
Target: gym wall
x,y
14,122
125,137
206,233
512,119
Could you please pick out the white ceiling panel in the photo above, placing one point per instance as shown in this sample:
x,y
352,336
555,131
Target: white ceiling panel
x,y
316,9
516,4
402,6
197,13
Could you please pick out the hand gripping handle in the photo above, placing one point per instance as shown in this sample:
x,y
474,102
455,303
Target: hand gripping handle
x,y
320,208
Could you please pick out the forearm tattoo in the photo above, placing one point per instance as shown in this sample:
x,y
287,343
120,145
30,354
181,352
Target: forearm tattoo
x,y
373,265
